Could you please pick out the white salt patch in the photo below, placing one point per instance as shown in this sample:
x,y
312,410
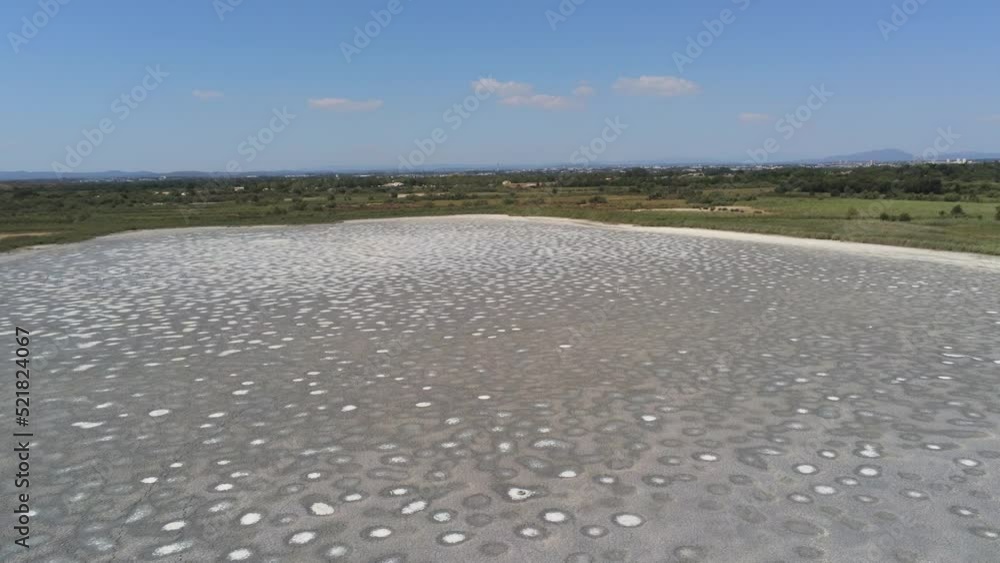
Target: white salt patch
x,y
869,451
453,537
337,551
172,548
555,516
321,509
517,494
529,532
139,514
414,507
87,425
628,520
250,518
240,554
302,538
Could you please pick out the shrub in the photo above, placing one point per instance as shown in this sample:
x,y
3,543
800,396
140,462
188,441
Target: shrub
x,y
997,215
853,213
905,217
957,211
885,217
598,199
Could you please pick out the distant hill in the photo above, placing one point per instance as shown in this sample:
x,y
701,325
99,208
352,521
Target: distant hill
x,y
884,155
24,175
127,175
896,155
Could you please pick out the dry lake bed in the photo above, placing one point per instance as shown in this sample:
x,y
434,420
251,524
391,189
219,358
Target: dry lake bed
x,y
484,389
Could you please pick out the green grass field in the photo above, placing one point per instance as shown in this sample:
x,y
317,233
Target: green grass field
x,y
811,217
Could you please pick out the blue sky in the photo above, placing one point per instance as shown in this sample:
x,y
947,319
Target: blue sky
x,y
554,81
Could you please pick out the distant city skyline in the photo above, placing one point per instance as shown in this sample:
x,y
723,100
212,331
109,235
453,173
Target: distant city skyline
x,y
243,86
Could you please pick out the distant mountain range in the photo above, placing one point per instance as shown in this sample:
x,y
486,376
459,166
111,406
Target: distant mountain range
x,y
131,175
880,156
896,155
884,155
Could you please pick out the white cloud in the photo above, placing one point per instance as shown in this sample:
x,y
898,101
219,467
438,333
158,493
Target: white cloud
x,y
344,104
543,101
503,89
584,90
749,117
207,94
662,86
522,94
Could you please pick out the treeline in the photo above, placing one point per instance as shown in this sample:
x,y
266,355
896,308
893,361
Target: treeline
x,y
714,185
